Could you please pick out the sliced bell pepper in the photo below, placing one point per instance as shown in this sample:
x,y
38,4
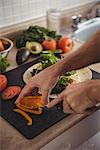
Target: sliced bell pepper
x,y
25,115
37,110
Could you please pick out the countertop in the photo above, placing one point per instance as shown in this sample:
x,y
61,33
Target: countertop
x,y
11,139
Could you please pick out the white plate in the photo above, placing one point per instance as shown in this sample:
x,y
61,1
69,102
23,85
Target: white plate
x,y
28,75
95,67
84,74
80,76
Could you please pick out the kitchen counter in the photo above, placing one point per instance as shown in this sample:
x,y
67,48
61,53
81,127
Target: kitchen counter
x,y
11,139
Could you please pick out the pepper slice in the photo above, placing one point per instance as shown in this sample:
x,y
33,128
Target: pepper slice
x,y
25,115
31,104
32,101
37,110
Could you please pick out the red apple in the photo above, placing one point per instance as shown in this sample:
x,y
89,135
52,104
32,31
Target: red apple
x,y
49,44
65,43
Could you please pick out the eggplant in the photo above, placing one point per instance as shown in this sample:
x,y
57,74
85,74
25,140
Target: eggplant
x,y
22,55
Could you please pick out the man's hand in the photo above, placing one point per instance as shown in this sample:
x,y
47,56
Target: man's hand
x,y
45,81
78,97
47,78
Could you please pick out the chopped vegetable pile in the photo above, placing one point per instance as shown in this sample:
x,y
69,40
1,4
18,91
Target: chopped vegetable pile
x,y
48,59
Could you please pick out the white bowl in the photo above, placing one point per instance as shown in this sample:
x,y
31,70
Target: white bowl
x,y
5,52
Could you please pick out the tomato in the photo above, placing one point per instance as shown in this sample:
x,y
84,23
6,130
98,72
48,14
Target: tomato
x,y
3,82
49,44
11,92
65,43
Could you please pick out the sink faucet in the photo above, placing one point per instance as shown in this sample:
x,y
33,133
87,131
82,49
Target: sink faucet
x,y
76,20
97,11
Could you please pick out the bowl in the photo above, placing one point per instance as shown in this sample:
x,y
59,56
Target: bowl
x,y
5,46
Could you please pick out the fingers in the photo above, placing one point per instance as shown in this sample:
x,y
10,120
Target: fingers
x,y
67,108
27,89
56,100
45,96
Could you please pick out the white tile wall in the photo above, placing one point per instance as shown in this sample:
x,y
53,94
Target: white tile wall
x,y
15,11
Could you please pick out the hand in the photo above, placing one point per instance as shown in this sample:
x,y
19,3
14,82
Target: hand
x,y
45,81
78,97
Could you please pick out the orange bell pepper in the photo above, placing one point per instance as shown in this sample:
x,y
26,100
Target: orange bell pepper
x,y
32,100
37,110
25,115
31,104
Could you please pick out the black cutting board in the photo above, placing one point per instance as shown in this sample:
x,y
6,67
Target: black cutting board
x,y
40,122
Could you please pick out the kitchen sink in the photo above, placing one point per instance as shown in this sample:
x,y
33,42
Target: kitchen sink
x,y
75,137
87,29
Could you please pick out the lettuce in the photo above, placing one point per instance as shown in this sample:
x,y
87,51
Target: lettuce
x,y
3,64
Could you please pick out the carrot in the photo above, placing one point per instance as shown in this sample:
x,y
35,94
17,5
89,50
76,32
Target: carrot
x,y
1,46
36,110
25,115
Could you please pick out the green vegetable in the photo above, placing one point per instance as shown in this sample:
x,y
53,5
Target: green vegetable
x,y
3,64
48,59
69,73
61,85
37,34
34,47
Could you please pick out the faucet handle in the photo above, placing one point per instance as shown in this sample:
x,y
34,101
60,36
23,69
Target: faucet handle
x,y
75,20
98,12
79,17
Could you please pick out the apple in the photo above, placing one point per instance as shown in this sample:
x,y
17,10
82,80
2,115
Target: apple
x,y
65,43
49,44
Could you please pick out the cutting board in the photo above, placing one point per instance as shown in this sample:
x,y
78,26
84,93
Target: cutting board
x,y
40,122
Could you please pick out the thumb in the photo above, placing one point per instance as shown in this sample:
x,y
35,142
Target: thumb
x,y
27,89
45,96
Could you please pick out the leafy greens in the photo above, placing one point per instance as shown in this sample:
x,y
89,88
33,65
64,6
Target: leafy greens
x,y
37,34
3,64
